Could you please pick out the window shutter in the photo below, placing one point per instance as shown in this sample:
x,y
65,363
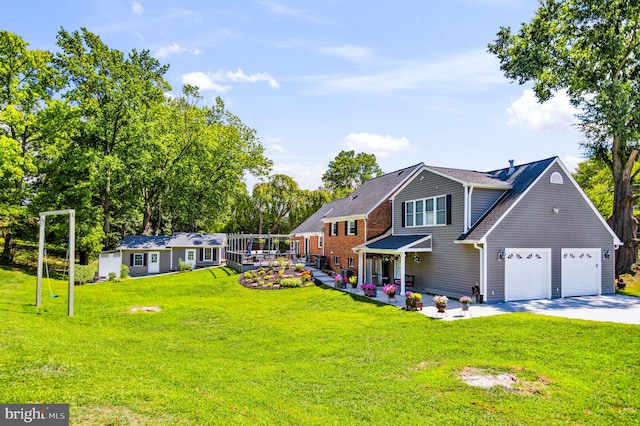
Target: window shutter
x,y
403,213
356,228
346,227
448,206
201,254
144,261
131,259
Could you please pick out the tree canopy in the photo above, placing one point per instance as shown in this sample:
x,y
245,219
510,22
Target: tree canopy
x,y
348,171
97,130
591,49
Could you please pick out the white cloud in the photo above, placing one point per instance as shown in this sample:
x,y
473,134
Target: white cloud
x,y
137,8
175,48
215,81
460,73
239,75
204,81
278,9
555,114
308,177
277,147
357,54
572,162
381,146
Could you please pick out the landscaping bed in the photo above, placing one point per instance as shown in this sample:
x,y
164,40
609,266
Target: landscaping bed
x,y
277,275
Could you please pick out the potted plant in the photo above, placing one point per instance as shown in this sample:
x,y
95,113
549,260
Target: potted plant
x,y
353,280
465,301
369,290
414,301
441,303
340,282
390,291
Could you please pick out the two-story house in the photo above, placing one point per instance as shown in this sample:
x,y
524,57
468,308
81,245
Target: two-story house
x,y
345,223
522,232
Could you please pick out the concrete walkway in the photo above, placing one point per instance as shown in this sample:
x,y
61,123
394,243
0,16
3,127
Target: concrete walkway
x,y
608,308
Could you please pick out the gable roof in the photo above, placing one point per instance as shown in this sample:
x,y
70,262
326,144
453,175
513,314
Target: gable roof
x,y
195,239
146,242
314,224
179,239
370,194
520,181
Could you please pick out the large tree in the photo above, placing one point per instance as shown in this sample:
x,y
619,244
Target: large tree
x,y
590,49
348,171
114,94
27,81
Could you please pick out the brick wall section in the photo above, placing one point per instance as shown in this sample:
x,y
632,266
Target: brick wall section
x,y
379,220
313,245
341,246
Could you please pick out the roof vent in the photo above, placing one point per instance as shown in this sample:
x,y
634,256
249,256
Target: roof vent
x,y
511,168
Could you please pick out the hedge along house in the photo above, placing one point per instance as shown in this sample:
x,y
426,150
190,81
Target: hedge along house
x,y
518,233
153,254
360,217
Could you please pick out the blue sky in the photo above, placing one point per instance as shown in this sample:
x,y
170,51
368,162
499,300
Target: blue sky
x,y
407,80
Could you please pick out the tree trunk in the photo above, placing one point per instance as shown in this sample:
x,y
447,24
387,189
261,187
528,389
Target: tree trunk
x,y
7,255
622,220
146,219
83,257
106,207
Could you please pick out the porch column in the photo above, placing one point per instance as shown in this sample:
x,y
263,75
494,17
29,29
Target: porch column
x,y
403,257
360,267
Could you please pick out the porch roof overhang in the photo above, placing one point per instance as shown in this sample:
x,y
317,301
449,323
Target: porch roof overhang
x,y
396,244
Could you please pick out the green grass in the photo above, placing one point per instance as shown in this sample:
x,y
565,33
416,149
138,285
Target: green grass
x,y
219,353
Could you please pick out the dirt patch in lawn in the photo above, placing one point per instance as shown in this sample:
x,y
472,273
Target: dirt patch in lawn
x,y
145,309
509,379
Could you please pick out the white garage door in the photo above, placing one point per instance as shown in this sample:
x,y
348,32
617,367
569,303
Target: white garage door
x,y
527,274
580,272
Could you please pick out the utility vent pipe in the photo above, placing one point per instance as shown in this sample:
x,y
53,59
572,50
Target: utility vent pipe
x,y
511,168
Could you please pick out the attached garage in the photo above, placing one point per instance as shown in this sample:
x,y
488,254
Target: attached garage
x,y
581,272
527,274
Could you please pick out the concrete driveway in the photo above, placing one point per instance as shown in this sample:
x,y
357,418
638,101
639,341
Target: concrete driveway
x,y
612,308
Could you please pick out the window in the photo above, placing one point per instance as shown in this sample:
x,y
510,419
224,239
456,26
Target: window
x,y
336,260
352,228
320,241
426,212
207,255
333,228
352,262
138,259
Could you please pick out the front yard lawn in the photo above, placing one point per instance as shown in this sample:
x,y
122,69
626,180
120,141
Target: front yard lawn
x,y
220,353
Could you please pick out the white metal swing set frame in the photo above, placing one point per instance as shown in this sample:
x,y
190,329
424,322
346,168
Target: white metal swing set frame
x,y
71,253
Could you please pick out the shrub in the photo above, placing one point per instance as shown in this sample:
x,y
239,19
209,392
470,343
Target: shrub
x,y
299,266
124,271
291,282
183,266
112,276
84,273
248,275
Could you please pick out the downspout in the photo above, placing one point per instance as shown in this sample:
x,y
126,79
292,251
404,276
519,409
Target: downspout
x,y
482,280
467,224
466,206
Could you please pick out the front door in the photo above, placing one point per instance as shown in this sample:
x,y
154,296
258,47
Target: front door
x,y
190,255
154,262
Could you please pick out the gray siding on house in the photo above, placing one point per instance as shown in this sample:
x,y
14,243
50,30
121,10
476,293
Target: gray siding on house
x,y
165,261
533,224
180,253
450,268
481,201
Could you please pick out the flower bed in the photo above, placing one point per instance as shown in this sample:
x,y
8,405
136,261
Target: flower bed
x,y
274,278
